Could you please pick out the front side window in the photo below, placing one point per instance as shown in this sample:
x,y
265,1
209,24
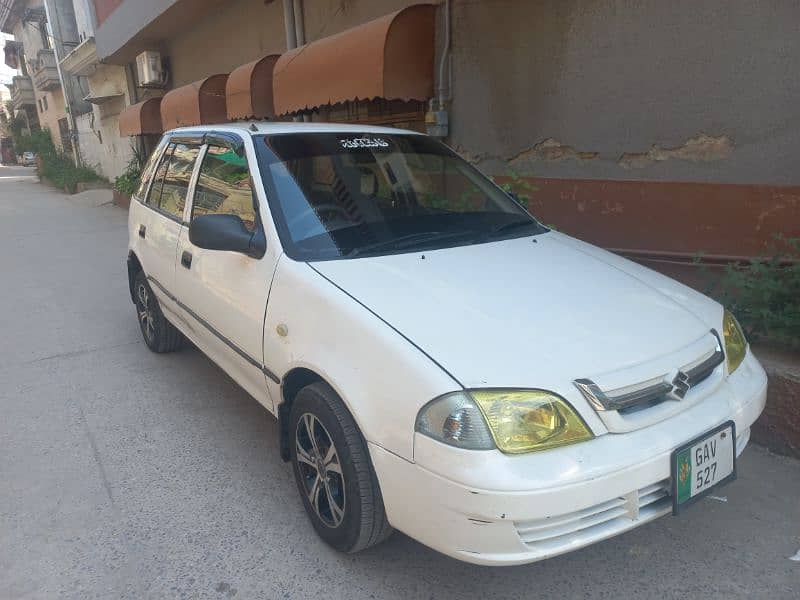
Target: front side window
x,y
345,195
224,187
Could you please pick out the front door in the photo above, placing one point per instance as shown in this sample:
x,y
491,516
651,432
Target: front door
x,y
158,225
224,294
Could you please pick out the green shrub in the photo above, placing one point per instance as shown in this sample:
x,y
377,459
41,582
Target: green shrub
x,y
512,183
39,142
128,182
764,294
61,171
56,166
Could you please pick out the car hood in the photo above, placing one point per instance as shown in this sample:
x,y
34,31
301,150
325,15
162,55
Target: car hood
x,y
528,312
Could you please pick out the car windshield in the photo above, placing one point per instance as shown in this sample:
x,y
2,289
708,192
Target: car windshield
x,y
348,195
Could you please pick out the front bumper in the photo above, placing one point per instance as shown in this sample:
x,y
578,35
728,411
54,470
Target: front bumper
x,y
493,509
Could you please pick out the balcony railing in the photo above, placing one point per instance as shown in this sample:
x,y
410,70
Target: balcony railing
x,y
22,92
45,73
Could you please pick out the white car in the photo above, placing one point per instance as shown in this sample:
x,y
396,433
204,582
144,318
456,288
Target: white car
x,y
439,362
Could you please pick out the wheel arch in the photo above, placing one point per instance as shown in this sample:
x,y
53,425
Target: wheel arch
x,y
293,381
134,268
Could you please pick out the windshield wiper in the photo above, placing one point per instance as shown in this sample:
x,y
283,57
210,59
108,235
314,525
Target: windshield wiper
x,y
405,242
506,227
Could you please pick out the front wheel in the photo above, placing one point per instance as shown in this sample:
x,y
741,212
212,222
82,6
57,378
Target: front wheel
x,y
333,471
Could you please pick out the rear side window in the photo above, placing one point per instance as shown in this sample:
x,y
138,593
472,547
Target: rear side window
x,y
154,199
176,179
147,173
224,187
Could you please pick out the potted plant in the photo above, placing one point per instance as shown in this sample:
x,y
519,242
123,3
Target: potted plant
x,y
126,184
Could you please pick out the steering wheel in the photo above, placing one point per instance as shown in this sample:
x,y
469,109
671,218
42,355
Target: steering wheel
x,y
331,210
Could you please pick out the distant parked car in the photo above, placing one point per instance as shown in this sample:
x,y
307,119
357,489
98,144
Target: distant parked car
x,y
439,361
28,159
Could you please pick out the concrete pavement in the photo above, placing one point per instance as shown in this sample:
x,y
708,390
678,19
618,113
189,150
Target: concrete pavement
x,y
124,474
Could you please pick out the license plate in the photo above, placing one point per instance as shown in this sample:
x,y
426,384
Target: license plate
x,y
703,464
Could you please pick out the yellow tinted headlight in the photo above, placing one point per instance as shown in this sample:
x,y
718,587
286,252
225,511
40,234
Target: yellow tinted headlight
x,y
530,420
735,343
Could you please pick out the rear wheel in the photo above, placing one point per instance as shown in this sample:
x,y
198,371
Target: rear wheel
x,y
333,471
159,334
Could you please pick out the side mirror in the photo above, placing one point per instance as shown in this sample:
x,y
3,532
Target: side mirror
x,y
226,232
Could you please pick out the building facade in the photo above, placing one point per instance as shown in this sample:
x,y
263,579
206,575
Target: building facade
x,y
44,31
108,93
36,90
660,130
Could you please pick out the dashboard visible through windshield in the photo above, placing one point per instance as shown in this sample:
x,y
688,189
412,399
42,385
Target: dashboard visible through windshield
x,y
348,195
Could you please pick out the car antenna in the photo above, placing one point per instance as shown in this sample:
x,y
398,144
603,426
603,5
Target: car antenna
x,y
253,127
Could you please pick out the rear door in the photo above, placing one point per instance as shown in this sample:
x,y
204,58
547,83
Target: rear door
x,y
224,294
160,226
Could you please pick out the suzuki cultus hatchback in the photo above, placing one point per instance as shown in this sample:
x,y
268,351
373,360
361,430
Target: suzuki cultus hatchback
x,y
439,362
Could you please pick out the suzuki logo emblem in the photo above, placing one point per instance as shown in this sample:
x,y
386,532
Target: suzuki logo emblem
x,y
680,386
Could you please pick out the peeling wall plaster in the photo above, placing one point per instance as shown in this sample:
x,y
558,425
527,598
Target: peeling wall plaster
x,y
703,148
616,78
550,150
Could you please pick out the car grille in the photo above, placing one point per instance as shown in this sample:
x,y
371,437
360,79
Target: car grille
x,y
653,392
598,521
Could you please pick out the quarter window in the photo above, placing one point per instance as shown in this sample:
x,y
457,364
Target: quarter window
x,y
223,187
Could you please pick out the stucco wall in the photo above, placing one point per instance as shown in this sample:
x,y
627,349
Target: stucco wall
x,y
327,17
104,8
55,111
579,89
606,78
595,89
258,30
107,152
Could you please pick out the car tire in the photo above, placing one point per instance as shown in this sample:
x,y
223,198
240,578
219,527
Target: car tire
x,y
333,471
159,335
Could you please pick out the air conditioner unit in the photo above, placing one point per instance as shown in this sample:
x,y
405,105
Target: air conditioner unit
x,y
150,69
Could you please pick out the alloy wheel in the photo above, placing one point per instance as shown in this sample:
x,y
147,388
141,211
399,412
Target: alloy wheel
x,y
145,310
320,470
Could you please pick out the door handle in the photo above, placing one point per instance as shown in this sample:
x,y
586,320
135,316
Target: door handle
x,y
186,259
142,231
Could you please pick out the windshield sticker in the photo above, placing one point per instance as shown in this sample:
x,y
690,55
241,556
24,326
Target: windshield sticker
x,y
364,142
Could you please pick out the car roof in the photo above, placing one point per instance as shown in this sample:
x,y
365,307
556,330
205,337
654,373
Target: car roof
x,y
281,127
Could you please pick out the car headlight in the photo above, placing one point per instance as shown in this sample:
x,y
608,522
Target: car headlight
x,y
735,342
513,421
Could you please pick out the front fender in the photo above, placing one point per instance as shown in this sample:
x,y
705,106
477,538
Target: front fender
x,y
382,377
